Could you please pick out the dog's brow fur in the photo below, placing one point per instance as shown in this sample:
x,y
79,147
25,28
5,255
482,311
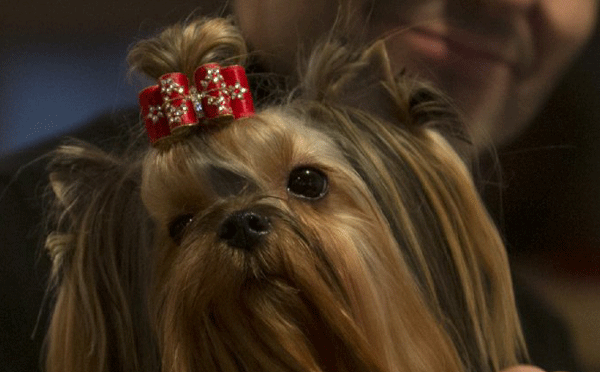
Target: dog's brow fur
x,y
227,182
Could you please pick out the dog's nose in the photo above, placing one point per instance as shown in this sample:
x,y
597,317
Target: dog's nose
x,y
244,229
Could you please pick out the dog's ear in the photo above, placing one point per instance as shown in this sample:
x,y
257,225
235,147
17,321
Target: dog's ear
x,y
76,170
98,247
364,79
339,73
372,87
70,172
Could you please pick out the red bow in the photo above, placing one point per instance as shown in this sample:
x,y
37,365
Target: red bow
x,y
219,94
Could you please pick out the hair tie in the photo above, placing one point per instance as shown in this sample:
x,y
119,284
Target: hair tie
x,y
220,94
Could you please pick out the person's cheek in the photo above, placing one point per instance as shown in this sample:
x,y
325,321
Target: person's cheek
x,y
570,25
574,19
561,28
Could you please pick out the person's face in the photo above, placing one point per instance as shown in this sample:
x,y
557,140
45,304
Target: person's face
x,y
498,59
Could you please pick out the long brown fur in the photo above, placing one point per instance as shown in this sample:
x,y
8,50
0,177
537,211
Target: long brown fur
x,y
397,268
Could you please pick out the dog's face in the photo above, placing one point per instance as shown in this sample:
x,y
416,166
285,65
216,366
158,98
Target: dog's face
x,y
272,254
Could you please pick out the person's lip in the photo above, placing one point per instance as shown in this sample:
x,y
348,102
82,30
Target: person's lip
x,y
441,42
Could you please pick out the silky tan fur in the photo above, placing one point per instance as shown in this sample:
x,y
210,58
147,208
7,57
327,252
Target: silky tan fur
x,y
398,267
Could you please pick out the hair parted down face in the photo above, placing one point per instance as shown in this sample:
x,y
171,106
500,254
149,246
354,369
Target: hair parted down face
x,y
338,231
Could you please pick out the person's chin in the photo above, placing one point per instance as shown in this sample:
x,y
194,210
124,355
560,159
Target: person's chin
x,y
482,104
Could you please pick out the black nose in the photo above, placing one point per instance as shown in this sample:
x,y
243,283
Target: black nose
x,y
244,229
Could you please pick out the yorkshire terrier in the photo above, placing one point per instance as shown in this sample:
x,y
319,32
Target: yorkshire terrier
x,y
334,231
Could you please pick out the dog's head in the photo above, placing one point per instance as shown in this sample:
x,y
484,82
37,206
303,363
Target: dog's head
x,y
273,254
338,231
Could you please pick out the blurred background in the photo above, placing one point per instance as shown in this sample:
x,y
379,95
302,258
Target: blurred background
x,y
63,61
62,65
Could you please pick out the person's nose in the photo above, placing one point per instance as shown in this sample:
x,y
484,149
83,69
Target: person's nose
x,y
508,5
490,9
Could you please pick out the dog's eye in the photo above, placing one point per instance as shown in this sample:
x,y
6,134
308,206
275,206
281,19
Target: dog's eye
x,y
307,182
178,225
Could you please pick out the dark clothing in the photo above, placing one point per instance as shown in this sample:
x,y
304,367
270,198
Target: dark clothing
x,y
548,339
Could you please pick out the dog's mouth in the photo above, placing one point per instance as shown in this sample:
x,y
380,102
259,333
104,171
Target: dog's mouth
x,y
283,307
252,246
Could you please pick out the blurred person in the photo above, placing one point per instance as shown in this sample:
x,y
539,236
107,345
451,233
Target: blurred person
x,y
497,59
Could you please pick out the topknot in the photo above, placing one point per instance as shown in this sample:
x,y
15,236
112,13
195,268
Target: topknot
x,y
184,47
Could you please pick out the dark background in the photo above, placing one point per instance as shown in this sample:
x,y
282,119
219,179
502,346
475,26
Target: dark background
x,y
62,64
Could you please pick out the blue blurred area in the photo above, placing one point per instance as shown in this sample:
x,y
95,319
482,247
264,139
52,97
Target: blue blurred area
x,y
47,88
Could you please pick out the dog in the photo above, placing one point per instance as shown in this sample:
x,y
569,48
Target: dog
x,y
335,230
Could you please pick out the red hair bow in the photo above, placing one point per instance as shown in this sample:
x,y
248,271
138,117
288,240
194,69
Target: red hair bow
x,y
219,94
